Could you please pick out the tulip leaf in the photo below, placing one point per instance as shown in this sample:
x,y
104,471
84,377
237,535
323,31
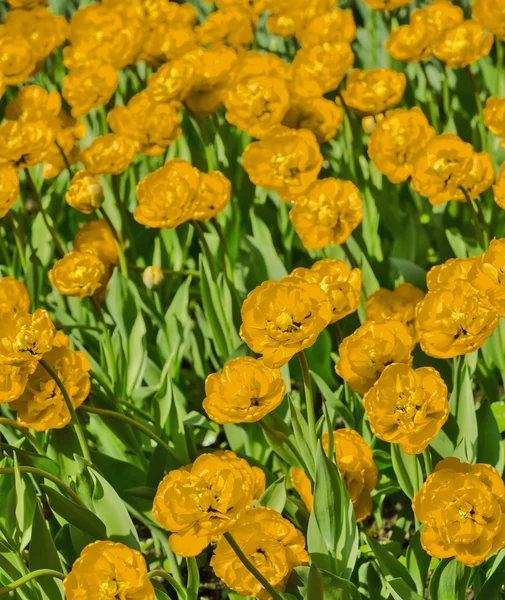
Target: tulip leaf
x,y
449,580
400,590
315,583
301,431
408,471
282,440
418,562
494,579
334,401
275,495
462,406
390,567
489,446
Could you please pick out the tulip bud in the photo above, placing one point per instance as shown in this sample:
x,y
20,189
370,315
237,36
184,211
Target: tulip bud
x,y
85,193
152,277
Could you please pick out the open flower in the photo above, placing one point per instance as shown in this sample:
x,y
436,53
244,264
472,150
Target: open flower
x,y
13,380
440,15
172,82
462,508
374,91
329,27
463,44
244,392
487,276
494,116
270,542
198,503
327,214
396,140
9,188
109,154
355,462
320,69
41,406
85,193
281,318
319,115
399,304
109,570
480,177
232,28
450,270
490,13
25,143
451,320
369,350
285,160
18,59
498,189
412,42
89,86
77,274
168,196
387,4
213,196
407,406
441,167
341,284
13,295
95,237
25,338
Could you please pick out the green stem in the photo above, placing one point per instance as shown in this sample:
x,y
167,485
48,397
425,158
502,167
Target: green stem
x,y
193,578
74,419
121,417
19,244
205,248
446,95
45,216
25,431
478,101
309,400
431,99
428,464
79,326
5,253
65,159
122,260
499,66
181,273
227,263
250,567
124,213
350,256
181,592
480,227
110,357
46,475
29,577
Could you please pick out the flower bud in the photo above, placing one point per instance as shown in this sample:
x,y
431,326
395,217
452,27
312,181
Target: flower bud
x,y
152,277
85,193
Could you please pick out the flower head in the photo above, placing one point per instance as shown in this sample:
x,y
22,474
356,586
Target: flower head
x,y
498,189
89,86
198,503
78,274
329,27
9,188
168,196
109,154
244,392
109,570
399,305
25,337
270,542
13,380
491,14
328,213
451,320
172,82
319,115
487,276
152,277
374,91
407,406
462,508
463,44
387,4
280,318
494,116
25,143
441,15
13,295
18,59
369,350
285,160
85,193
233,28
95,237
449,271
213,196
412,42
396,140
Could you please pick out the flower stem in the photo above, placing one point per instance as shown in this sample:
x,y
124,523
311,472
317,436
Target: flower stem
x,y
33,575
250,567
428,464
309,400
122,260
74,419
499,66
205,248
181,592
124,213
478,101
25,431
193,578
17,239
121,417
46,475
478,221
65,159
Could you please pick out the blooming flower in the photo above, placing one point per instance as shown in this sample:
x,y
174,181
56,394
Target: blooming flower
x,y
463,44
285,160
25,338
109,570
396,140
77,274
490,14
95,237
13,295
198,503
213,196
320,69
270,542
462,508
319,115
41,406
449,271
329,27
109,154
9,188
480,177
24,143
355,462
232,28
18,59
399,305
498,189
374,91
244,392
494,116
441,167
288,17
85,193
168,196
451,320
387,4
369,350
172,81
412,42
13,380
441,15
281,318
487,276
407,406
328,213
89,86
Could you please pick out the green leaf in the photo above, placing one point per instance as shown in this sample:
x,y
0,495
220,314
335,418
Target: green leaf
x,y
275,495
400,590
282,440
334,402
449,580
315,586
391,568
31,459
418,562
301,431
408,471
494,579
334,514
318,584
489,446
462,405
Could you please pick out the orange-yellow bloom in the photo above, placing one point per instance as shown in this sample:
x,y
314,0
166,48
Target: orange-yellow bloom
x,y
451,320
172,81
281,318
233,28
450,270
270,542
412,42
152,277
244,392
462,508
78,274
494,116
168,196
369,350
328,213
213,196
13,380
18,59
387,4
25,338
319,115
463,44
95,237
109,570
396,140
285,160
498,189
441,15
374,91
109,154
13,295
89,86
491,14
9,188
399,305
330,27
357,468
201,501
487,276
25,143
407,406
85,193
